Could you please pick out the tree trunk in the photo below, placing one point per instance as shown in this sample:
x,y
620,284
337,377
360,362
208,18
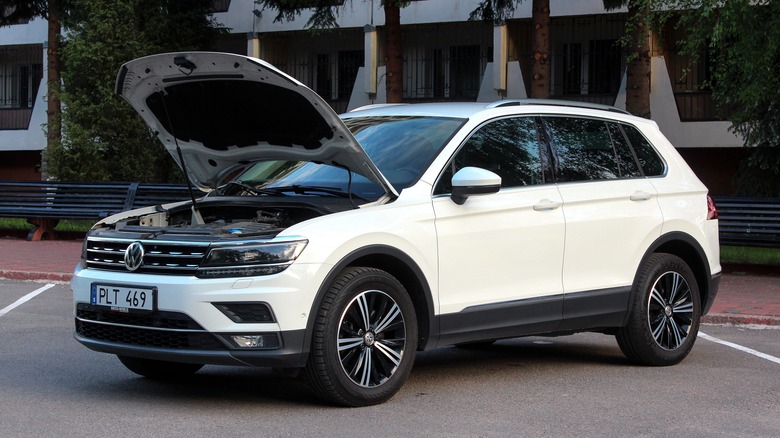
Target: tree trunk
x,y
53,110
540,44
638,69
393,57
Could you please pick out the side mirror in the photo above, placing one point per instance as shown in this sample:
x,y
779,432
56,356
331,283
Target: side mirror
x,y
472,181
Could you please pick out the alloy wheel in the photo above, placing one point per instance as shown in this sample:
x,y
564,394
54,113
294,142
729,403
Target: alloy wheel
x,y
670,310
371,338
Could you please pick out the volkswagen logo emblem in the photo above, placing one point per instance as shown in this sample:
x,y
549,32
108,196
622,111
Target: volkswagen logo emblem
x,y
134,256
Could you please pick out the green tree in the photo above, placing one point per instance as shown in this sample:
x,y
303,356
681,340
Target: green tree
x,y
103,138
497,11
53,11
324,17
742,38
637,43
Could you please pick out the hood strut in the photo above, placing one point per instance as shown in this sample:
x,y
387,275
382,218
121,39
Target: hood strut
x,y
196,216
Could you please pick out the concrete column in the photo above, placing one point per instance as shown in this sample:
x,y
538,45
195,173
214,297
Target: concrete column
x,y
253,44
500,58
371,60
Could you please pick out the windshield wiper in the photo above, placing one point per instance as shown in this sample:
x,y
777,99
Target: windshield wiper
x,y
302,190
246,187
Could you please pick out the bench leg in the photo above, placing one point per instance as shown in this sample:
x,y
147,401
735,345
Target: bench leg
x,y
44,229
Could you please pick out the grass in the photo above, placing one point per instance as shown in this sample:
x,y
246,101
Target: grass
x,y
750,255
63,225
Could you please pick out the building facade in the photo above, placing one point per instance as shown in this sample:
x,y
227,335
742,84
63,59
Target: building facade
x,y
445,58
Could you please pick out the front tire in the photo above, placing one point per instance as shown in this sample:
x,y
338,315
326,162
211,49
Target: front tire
x,y
664,317
364,339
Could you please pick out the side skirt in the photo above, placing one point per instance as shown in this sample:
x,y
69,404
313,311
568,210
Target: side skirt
x,y
595,309
557,314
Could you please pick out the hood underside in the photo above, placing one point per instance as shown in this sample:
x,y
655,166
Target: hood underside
x,y
225,111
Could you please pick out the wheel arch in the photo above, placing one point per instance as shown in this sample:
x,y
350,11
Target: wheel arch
x,y
687,248
400,266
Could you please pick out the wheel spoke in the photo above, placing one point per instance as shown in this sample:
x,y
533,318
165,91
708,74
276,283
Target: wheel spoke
x,y
367,367
656,296
389,317
659,329
391,354
675,286
677,332
685,307
348,343
362,304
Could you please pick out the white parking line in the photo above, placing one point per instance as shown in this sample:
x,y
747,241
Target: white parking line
x,y
740,348
25,299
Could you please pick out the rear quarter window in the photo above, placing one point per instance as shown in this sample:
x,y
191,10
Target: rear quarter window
x,y
651,162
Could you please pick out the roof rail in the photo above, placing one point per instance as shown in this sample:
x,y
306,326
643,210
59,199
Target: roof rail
x,y
554,102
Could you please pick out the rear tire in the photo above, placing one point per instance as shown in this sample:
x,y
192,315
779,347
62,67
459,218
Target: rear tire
x,y
364,339
159,369
664,317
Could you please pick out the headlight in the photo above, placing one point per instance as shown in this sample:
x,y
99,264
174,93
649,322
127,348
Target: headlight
x,y
84,253
246,260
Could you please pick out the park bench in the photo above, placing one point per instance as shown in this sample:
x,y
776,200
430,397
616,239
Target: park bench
x,y
749,221
45,203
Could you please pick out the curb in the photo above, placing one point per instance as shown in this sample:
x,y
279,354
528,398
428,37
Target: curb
x,y
736,319
35,276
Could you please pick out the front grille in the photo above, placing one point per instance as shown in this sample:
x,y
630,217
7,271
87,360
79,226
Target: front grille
x,y
147,337
159,319
158,329
176,258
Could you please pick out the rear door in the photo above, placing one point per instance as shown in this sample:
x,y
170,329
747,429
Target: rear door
x,y
612,215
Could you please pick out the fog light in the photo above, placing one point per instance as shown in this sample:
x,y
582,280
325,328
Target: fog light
x,y
254,341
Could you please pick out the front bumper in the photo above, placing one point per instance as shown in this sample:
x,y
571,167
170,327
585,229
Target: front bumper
x,y
290,355
188,326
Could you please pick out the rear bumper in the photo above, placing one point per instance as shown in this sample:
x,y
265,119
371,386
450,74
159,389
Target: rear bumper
x,y
712,292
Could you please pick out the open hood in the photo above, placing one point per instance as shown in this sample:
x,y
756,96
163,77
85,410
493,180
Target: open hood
x,y
227,111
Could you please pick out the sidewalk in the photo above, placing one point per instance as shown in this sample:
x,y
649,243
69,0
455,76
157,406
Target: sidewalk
x,y
744,298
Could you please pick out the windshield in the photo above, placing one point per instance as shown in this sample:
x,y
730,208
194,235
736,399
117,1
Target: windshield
x,y
401,147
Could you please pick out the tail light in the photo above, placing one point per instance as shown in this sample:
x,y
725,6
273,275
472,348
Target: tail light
x,y
712,210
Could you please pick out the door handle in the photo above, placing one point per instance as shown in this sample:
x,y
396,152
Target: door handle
x,y
547,204
640,195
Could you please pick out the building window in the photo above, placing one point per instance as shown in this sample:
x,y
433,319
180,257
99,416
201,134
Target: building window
x,y
604,70
571,68
464,72
21,72
219,6
350,62
587,64
323,84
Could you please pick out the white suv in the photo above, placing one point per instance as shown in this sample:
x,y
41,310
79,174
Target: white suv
x,y
343,245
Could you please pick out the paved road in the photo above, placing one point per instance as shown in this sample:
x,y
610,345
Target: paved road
x,y
570,386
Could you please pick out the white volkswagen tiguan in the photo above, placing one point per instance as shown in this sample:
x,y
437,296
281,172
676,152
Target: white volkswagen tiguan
x,y
341,246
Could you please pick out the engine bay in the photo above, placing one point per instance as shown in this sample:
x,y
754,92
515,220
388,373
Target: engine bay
x,y
222,219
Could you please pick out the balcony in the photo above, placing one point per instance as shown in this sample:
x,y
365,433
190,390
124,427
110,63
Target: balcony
x,y
15,118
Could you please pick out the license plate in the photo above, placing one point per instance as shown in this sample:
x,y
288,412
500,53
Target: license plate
x,y
123,298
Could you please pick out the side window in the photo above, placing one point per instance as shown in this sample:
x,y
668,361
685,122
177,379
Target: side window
x,y
651,163
625,157
507,147
584,149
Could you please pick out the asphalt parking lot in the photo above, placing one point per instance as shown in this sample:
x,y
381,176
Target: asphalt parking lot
x,y
578,385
